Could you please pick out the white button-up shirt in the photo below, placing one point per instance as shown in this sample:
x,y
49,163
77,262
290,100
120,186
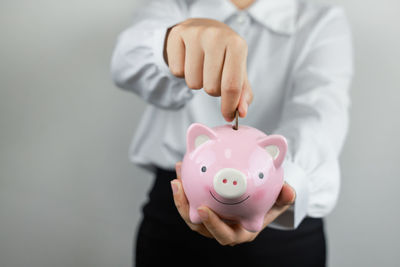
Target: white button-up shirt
x,y
299,67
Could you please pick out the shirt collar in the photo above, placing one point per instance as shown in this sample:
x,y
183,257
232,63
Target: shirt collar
x,y
277,15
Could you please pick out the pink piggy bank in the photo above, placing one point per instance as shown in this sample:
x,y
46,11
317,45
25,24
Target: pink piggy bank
x,y
236,173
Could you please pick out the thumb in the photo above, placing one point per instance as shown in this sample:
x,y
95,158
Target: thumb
x,y
287,195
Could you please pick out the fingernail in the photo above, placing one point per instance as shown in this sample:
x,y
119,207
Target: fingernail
x,y
245,107
178,166
294,199
228,119
203,214
174,187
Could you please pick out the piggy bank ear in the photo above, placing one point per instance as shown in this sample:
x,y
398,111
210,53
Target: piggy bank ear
x,y
198,134
276,146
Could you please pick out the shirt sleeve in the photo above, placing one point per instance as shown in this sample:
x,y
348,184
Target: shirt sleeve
x,y
315,120
138,64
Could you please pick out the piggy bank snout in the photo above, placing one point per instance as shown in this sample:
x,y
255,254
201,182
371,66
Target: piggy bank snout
x,y
230,183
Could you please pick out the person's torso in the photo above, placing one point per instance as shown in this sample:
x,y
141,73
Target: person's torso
x,y
273,46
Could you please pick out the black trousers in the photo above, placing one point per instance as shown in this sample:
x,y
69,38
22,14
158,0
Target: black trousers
x,y
163,239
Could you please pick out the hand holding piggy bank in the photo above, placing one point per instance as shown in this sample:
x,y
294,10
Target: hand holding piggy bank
x,y
236,173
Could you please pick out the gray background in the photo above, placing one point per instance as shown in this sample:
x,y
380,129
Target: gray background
x,y
70,197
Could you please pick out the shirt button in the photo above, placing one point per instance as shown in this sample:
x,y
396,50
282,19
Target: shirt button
x,y
241,18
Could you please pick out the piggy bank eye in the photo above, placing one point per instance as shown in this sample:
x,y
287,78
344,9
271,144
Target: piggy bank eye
x,y
261,175
204,169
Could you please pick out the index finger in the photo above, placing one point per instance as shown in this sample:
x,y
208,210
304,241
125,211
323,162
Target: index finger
x,y
232,80
222,232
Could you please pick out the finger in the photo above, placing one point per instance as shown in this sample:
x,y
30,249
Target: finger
x,y
286,196
175,52
212,71
180,200
178,168
194,59
245,99
273,213
182,206
219,229
242,235
201,229
232,79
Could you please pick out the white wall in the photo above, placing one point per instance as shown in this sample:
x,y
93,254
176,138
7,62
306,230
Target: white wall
x,y
68,194
70,197
363,229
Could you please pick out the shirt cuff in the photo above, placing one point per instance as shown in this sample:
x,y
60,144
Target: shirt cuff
x,y
296,178
158,48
